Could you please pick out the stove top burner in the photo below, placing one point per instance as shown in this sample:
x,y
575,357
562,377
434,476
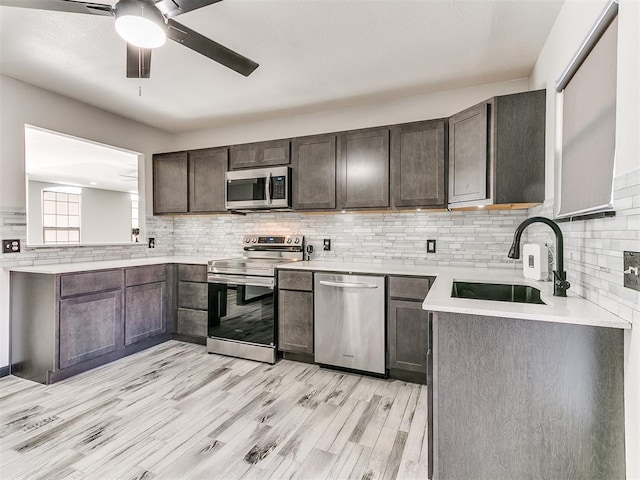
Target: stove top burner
x,y
261,255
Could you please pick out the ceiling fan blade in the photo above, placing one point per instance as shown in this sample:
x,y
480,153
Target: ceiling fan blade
x,y
172,8
138,62
207,47
62,6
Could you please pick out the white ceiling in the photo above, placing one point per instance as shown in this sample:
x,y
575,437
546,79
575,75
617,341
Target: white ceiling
x,y
313,55
56,158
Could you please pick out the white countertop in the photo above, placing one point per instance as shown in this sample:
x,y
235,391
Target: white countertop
x,y
57,268
573,309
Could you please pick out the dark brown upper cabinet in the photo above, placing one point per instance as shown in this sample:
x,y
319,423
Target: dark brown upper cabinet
x,y
497,151
261,154
418,164
313,161
207,169
170,183
363,169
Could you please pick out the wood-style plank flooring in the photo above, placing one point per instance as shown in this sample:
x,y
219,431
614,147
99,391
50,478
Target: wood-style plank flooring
x,y
176,412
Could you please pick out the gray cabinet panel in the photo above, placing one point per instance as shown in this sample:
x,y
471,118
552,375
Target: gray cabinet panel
x,y
409,288
192,322
192,273
89,282
468,162
407,329
170,183
193,295
519,151
90,326
524,399
146,274
295,321
363,158
288,280
207,179
146,311
418,164
261,154
314,172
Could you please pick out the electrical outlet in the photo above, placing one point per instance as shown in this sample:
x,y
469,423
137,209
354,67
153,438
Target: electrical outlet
x,y
431,246
152,242
631,270
11,246
327,244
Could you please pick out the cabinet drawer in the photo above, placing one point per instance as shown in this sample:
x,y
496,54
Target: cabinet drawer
x,y
193,295
192,273
295,280
192,322
411,288
89,282
147,274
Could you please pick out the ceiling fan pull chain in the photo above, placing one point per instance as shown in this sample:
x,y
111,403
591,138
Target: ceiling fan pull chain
x,y
139,90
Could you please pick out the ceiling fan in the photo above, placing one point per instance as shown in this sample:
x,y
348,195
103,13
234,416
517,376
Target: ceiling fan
x,y
146,24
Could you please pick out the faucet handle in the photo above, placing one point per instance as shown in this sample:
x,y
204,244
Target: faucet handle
x,y
561,282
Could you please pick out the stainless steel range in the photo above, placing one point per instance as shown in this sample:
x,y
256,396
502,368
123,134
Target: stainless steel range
x,y
242,297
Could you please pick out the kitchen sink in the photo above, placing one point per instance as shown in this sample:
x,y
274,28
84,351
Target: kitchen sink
x,y
496,291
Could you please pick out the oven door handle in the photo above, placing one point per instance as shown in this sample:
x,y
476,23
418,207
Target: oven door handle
x,y
267,282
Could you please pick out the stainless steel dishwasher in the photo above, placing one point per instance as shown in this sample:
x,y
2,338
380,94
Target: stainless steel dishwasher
x,y
349,321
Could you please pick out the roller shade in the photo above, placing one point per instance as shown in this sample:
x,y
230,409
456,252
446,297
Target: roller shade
x,y
589,123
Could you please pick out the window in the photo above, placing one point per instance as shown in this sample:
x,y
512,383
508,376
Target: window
x,y
588,88
61,215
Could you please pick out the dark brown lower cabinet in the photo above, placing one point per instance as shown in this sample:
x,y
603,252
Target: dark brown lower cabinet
x,y
145,312
90,326
295,313
295,321
193,303
408,336
407,328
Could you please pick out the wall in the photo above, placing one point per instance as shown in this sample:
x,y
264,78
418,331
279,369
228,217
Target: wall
x,y
105,215
593,248
466,239
25,104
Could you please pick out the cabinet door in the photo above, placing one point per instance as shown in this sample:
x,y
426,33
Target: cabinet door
x,y
261,154
364,169
408,327
417,164
90,326
192,322
207,179
170,183
468,154
295,321
314,172
146,311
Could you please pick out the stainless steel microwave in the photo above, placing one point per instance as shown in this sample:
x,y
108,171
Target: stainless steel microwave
x,y
259,188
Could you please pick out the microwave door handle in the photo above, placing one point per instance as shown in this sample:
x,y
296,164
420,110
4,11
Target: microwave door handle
x,y
269,188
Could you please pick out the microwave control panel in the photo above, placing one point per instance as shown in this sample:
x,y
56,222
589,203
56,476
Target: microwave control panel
x,y
279,188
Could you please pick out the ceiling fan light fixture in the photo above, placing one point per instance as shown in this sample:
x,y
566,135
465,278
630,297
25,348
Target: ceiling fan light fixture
x,y
140,24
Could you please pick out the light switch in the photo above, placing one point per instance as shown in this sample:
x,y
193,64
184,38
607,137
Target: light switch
x,y
431,246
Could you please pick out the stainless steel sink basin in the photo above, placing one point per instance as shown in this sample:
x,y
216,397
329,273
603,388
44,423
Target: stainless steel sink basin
x,y
497,292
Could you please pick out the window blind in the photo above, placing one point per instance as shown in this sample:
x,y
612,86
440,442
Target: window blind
x,y
589,122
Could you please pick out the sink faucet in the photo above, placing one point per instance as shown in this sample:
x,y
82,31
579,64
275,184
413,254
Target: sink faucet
x,y
560,284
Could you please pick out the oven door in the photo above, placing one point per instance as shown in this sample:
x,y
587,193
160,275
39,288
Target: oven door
x,y
241,309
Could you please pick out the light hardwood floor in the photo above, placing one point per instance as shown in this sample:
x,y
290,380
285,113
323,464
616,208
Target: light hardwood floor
x,y
175,412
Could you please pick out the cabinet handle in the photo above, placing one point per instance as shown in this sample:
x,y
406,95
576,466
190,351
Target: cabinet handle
x,y
347,285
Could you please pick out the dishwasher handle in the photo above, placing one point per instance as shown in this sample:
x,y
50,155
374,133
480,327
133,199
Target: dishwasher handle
x,y
347,284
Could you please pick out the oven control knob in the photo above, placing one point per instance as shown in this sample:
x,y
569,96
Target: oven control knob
x,y
297,240
247,239
254,240
288,240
